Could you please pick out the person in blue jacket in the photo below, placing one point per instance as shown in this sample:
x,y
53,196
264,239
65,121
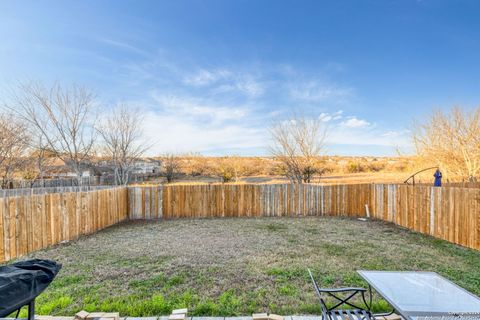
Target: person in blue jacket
x,y
438,178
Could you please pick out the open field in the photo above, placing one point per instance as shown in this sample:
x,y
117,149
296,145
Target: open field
x,y
237,266
343,178
339,178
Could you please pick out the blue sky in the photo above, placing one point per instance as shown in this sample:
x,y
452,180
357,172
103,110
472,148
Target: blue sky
x,y
211,76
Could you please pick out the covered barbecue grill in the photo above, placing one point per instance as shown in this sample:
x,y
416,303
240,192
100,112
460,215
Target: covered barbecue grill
x,y
21,282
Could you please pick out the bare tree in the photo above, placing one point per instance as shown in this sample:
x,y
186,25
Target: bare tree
x,y
297,144
171,166
39,158
13,148
452,141
122,136
63,117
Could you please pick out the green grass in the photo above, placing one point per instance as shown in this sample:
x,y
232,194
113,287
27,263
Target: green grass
x,y
228,267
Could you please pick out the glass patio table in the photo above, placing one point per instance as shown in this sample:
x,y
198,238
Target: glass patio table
x,y
423,295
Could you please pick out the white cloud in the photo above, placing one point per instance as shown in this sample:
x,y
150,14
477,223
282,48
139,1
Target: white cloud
x,y
337,115
175,133
124,46
315,91
351,130
205,77
177,123
186,124
376,137
390,134
250,86
223,81
326,117
200,109
394,134
355,131
354,122
218,110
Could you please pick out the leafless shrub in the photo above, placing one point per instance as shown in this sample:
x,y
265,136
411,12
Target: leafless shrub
x,y
376,166
355,167
171,165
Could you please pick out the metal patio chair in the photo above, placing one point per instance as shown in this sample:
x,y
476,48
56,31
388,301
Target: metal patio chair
x,y
342,298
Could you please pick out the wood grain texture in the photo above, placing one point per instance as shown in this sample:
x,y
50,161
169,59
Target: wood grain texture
x,y
33,222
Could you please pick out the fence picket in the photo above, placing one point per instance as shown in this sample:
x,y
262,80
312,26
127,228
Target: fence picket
x,y
32,222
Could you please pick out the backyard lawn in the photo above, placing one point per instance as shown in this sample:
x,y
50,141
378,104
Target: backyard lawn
x,y
237,266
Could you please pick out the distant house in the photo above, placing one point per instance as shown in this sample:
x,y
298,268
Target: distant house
x,y
146,166
58,169
102,171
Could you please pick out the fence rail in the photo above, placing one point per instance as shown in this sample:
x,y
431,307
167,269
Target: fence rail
x,y
29,223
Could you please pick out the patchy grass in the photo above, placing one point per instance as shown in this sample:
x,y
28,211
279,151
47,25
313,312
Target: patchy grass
x,y
228,267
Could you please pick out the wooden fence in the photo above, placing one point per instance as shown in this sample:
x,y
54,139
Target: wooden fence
x,y
246,200
32,222
29,223
451,214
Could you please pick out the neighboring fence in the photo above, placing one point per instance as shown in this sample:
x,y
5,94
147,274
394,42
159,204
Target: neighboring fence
x,y
451,214
464,184
55,183
103,180
31,191
29,223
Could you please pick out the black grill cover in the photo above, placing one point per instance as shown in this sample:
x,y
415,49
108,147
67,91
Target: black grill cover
x,y
23,281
